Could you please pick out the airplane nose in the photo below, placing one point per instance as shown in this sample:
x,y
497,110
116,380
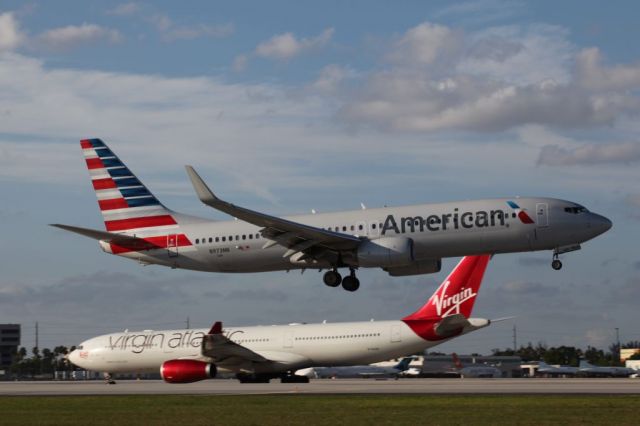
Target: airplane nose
x,y
72,356
600,223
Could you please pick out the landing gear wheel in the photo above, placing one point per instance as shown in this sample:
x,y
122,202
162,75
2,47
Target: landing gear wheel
x,y
294,379
249,378
556,264
351,283
332,278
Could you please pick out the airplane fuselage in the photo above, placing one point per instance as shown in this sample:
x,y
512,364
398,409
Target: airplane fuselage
x,y
435,230
288,347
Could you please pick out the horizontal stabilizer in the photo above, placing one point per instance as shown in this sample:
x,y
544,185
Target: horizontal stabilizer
x,y
119,241
98,235
451,325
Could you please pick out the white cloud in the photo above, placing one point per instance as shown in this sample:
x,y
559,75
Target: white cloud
x,y
491,81
424,44
482,10
592,75
171,32
125,9
606,153
73,35
287,45
201,30
226,121
10,34
331,77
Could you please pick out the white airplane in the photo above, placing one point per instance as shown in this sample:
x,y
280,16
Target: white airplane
x,y
587,369
545,369
364,371
257,354
408,240
475,370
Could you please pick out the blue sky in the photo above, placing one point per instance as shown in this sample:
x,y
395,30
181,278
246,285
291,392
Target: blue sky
x,y
289,106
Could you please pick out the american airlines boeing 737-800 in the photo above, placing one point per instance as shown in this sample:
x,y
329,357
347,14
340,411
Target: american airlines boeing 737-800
x,y
407,240
257,354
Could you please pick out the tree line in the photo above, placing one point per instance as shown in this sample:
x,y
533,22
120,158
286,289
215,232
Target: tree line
x,y
570,355
40,362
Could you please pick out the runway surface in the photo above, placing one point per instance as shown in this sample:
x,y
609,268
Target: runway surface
x,y
327,386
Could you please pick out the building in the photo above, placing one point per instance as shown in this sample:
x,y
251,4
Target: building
x,y
443,366
627,353
9,342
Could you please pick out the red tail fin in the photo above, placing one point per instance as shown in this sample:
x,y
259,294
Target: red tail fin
x,y
457,294
456,361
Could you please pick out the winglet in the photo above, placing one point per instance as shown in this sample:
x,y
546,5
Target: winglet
x,y
216,328
204,193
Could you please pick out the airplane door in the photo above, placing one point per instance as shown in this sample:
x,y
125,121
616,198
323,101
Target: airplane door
x,y
288,339
542,215
172,245
396,335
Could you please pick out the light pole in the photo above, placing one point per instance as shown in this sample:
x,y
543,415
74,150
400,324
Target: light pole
x,y
618,344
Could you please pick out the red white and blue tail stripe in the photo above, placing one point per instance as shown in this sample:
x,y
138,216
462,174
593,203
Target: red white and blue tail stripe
x,y
125,203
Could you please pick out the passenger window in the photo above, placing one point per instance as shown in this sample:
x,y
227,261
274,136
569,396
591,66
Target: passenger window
x,y
210,239
197,241
244,237
251,236
217,239
360,227
353,228
373,226
344,228
224,238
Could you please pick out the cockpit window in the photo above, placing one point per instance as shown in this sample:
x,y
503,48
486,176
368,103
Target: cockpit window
x,y
575,209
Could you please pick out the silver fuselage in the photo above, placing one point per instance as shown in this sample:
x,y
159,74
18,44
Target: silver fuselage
x,y
438,231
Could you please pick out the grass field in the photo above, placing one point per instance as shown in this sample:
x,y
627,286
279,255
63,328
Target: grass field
x,y
321,410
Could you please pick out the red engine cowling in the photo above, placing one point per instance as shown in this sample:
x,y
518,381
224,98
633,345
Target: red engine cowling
x,y
187,371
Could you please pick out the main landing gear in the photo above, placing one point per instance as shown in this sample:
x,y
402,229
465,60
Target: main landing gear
x,y
292,378
108,378
556,264
333,278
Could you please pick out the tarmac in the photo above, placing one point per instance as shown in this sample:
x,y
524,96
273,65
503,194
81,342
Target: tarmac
x,y
327,387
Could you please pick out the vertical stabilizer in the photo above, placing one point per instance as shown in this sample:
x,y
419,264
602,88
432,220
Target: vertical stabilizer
x,y
125,203
457,294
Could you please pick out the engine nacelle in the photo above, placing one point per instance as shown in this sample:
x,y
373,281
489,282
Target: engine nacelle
x,y
420,267
187,371
386,252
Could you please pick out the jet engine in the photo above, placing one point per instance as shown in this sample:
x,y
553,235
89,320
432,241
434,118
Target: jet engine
x,y
419,267
187,371
386,252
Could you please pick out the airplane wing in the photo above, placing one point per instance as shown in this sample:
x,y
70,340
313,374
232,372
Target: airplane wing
x,y
222,350
297,237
